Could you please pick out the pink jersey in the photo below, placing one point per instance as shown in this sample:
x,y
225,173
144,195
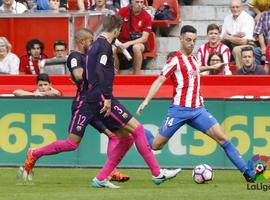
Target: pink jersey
x,y
205,51
185,74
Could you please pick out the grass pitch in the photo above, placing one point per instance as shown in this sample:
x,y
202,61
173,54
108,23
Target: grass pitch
x,y
74,184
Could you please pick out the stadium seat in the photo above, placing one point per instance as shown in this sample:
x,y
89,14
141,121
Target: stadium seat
x,y
152,45
174,5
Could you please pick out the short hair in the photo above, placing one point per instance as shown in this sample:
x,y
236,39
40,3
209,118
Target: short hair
x,y
170,54
43,77
211,27
216,53
7,43
60,42
30,44
112,22
188,28
82,34
247,48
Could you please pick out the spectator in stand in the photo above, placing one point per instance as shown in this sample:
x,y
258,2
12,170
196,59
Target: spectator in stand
x,y
60,49
30,63
54,5
214,45
213,59
134,34
102,6
11,6
262,31
256,7
249,66
44,88
124,3
237,30
88,4
9,62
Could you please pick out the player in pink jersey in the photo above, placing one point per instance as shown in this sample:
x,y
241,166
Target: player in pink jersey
x,y
187,104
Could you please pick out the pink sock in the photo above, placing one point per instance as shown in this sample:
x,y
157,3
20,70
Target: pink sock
x,y
114,159
145,150
113,141
55,148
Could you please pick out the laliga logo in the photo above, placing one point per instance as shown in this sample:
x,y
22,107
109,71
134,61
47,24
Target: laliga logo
x,y
260,165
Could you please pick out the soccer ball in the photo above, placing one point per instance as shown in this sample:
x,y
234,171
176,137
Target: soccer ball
x,y
202,173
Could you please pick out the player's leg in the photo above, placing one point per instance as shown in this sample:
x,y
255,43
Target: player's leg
x,y
174,119
206,123
159,175
115,175
114,159
80,119
122,123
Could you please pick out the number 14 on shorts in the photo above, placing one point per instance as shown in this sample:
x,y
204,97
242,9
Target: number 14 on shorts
x,y
169,121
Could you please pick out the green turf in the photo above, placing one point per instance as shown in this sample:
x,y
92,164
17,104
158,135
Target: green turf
x,y
74,184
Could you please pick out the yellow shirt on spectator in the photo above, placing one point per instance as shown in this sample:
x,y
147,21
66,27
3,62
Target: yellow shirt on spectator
x,y
262,5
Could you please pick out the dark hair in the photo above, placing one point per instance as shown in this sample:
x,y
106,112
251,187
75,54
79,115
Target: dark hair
x,y
211,27
216,53
111,22
170,54
247,48
43,77
60,42
188,28
30,44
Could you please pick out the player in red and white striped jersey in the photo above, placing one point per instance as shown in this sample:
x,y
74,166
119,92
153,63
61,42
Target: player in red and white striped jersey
x,y
213,45
187,104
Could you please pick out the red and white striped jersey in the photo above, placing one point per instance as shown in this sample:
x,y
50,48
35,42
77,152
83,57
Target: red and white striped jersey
x,y
185,74
205,51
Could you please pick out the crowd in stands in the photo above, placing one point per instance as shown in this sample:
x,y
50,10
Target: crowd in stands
x,y
242,29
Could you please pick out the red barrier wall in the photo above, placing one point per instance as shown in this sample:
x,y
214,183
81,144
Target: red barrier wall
x,y
137,86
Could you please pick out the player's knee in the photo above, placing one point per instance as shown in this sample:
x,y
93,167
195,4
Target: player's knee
x,y
71,145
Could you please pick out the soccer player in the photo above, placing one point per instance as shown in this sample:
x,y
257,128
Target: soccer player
x,y
187,104
100,74
80,110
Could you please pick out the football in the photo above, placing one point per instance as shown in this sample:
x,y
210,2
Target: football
x,y
202,173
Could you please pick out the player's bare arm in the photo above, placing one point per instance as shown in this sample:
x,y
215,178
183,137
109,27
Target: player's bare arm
x,y
151,93
78,73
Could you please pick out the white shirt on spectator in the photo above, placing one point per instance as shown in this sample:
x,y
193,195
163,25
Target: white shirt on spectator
x,y
10,64
243,23
17,8
124,3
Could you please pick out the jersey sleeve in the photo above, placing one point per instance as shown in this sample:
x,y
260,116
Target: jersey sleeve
x,y
104,71
74,61
170,67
